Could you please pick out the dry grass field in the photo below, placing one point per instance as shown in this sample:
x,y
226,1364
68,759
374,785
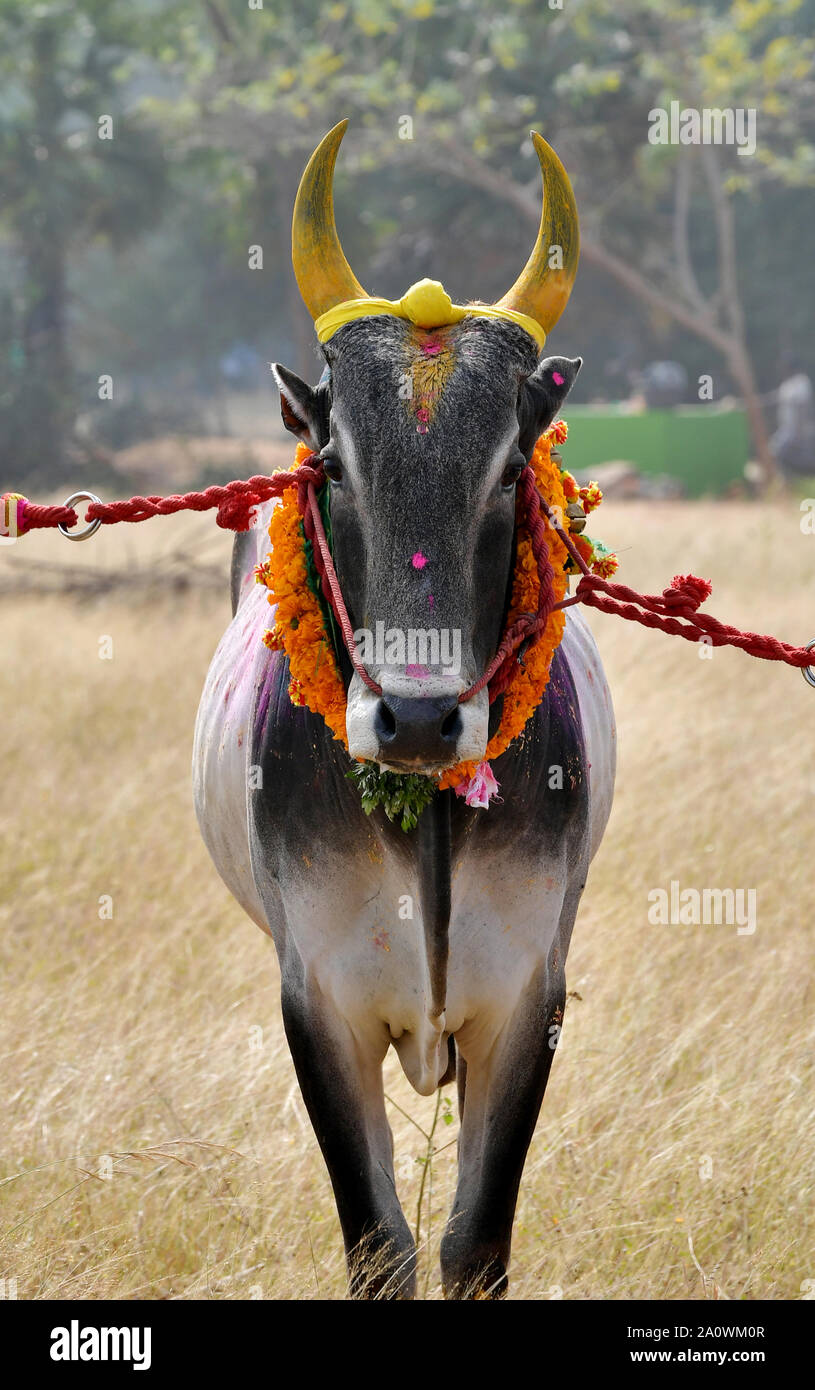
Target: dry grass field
x,y
154,1144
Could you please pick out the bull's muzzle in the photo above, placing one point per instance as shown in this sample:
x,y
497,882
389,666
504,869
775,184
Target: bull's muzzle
x,y
418,731
424,730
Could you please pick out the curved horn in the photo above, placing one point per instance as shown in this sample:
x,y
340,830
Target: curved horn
x,y
540,291
323,274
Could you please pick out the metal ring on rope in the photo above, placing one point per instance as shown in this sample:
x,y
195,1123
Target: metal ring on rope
x,y
807,671
92,527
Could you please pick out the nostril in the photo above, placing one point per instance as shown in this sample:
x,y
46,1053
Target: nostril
x,y
417,729
384,723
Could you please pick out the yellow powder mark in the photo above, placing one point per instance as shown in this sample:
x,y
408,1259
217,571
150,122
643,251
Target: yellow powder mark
x,y
375,855
306,861
431,360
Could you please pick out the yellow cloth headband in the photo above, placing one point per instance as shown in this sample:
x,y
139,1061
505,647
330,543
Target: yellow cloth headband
x,y
428,305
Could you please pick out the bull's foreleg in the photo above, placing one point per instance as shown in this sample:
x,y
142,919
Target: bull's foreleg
x,y
504,1090
341,1080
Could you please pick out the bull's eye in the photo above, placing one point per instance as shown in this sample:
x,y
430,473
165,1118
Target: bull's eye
x,y
512,473
333,470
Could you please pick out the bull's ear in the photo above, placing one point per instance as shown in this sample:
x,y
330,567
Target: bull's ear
x,y
305,409
541,397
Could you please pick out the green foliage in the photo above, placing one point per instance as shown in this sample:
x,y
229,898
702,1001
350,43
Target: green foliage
x,y
64,68
216,106
402,797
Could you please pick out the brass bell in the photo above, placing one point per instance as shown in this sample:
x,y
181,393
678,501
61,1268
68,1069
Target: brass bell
x,y
577,518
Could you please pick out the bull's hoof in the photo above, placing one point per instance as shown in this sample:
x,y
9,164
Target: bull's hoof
x,y
380,1270
469,1273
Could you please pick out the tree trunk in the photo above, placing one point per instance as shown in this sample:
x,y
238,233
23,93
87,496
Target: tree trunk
x,y
45,415
46,390
742,371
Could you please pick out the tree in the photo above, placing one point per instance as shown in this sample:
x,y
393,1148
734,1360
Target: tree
x,y
75,166
632,57
661,222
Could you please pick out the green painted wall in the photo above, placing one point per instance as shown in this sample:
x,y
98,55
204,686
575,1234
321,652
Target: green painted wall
x,y
704,447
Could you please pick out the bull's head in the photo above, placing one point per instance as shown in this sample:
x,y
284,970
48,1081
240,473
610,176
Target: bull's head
x,y
424,420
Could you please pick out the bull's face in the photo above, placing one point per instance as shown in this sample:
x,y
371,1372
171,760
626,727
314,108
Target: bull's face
x,y
423,431
423,434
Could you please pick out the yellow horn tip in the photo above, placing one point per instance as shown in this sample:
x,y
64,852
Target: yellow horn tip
x,y
542,290
323,274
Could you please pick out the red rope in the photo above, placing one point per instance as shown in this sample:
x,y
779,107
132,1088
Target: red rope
x,y
673,611
31,517
663,611
235,502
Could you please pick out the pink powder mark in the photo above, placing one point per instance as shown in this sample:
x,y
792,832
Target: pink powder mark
x,y
558,379
430,601
432,348
423,413
418,673
421,428
419,560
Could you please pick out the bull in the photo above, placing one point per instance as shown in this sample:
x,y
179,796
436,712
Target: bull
x,y
470,985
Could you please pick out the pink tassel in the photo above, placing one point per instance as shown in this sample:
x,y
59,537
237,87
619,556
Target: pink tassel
x,y
481,788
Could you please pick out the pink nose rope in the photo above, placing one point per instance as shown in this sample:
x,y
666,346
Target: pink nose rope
x,y
313,526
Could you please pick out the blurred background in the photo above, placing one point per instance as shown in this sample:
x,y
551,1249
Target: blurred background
x,y
149,158
154,1141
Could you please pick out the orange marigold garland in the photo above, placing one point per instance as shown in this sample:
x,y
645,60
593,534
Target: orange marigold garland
x,y
299,627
